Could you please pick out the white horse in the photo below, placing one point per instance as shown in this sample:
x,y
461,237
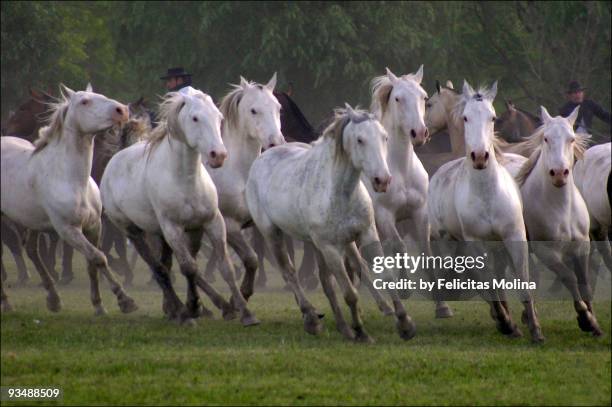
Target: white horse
x,y
252,122
161,188
555,213
48,187
399,104
592,177
315,194
475,198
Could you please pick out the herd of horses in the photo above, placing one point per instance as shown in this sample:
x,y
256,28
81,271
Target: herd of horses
x,y
95,173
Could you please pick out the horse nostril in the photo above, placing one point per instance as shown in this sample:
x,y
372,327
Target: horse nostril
x,y
552,173
119,110
213,154
473,156
377,180
566,172
486,155
271,145
426,132
413,133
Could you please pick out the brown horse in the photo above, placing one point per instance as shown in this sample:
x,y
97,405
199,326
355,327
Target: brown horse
x,y
516,124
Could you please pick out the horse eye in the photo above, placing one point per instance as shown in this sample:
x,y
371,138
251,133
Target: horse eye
x,y
464,119
428,105
195,119
396,99
494,118
253,111
359,141
545,140
572,140
84,102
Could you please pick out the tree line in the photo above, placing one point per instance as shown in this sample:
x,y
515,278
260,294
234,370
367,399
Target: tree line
x,y
326,51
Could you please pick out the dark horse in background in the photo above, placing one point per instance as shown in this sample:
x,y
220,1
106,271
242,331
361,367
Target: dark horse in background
x,y
25,123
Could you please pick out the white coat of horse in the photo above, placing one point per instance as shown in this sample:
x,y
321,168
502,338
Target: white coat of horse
x,y
252,122
316,194
161,188
555,212
48,187
476,199
399,104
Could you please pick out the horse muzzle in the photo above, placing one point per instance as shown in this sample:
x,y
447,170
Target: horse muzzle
x,y
559,177
216,158
479,160
380,184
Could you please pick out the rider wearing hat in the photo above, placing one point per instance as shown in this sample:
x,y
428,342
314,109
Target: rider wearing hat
x,y
176,79
588,108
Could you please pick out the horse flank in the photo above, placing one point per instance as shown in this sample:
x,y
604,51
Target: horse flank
x,y
534,142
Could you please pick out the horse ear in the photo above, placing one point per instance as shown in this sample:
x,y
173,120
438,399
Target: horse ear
x,y
243,82
449,84
271,83
510,105
492,92
391,76
545,115
438,85
289,89
66,91
36,94
573,116
89,88
348,107
467,89
418,76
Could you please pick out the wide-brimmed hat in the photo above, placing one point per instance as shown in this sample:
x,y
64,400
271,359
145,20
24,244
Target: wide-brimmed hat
x,y
574,86
175,72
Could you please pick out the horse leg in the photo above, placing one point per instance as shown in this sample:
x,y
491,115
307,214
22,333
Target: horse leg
x,y
328,288
12,238
307,270
119,242
581,265
5,306
519,253
249,258
54,303
259,246
67,273
421,234
334,259
49,253
216,232
86,243
275,240
195,243
173,307
552,259
211,265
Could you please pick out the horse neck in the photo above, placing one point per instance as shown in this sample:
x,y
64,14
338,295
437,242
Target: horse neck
x,y
344,177
455,128
487,177
242,149
401,155
182,160
560,196
71,155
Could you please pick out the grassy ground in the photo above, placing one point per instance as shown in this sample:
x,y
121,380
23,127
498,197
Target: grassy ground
x,y
142,359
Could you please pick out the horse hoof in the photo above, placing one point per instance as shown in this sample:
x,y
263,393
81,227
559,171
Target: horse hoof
x,y
506,327
586,321
228,312
444,312
249,320
362,336
537,336
406,329
127,305
6,306
65,280
312,323
188,322
347,332
205,313
100,311
54,304
597,332
386,309
516,332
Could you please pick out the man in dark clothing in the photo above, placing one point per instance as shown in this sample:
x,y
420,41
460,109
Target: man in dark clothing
x,y
588,108
176,79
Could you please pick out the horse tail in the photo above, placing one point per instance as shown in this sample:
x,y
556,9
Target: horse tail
x,y
609,188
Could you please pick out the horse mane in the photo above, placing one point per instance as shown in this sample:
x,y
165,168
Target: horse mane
x,y
55,123
112,140
535,119
457,115
335,130
230,102
534,142
168,125
381,87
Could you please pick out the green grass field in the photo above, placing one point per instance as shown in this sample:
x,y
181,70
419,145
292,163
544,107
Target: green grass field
x,y
142,359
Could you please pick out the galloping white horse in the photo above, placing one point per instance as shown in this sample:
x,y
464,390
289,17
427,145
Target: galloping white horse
x,y
48,187
555,212
593,179
475,198
399,104
315,194
252,122
161,188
